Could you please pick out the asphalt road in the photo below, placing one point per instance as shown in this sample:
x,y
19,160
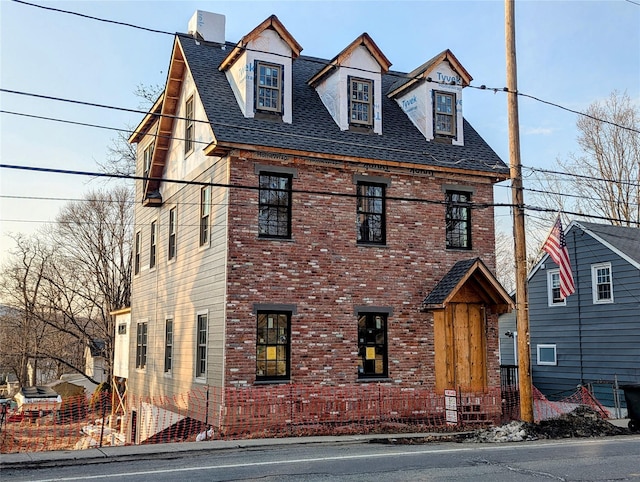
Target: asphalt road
x,y
608,458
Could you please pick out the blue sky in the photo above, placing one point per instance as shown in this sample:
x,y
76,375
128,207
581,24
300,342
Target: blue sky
x,y
569,52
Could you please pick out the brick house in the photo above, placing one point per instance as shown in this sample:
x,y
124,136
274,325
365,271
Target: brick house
x,y
303,223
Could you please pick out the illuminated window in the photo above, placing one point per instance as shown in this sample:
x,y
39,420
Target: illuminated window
x,y
372,345
272,345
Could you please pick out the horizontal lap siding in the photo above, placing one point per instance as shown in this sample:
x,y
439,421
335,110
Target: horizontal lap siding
x,y
596,341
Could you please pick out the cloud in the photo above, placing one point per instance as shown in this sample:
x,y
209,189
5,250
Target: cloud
x,y
535,131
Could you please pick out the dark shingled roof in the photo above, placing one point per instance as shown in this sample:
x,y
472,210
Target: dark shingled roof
x,y
314,130
444,287
625,238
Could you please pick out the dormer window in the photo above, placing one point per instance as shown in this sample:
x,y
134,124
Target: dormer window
x,y
445,114
269,87
361,102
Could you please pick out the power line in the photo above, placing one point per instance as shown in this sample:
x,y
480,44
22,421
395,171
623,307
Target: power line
x,y
582,176
326,63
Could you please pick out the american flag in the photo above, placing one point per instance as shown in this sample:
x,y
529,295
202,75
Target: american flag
x,y
556,246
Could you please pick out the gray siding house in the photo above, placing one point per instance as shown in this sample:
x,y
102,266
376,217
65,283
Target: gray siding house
x,y
593,336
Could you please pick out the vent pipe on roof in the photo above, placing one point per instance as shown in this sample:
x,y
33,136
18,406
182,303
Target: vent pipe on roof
x,y
207,26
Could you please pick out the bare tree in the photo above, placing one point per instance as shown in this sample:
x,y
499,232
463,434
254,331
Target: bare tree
x,y
605,174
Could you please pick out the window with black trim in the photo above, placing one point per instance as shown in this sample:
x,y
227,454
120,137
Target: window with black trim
x,y
445,113
360,102
205,214
268,87
168,345
141,345
136,256
201,345
189,125
371,213
171,245
372,345
458,219
152,244
272,345
274,210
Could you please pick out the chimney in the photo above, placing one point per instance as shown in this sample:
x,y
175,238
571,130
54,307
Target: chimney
x,y
207,26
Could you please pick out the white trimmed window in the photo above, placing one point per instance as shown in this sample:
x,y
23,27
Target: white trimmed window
x,y
445,113
268,87
171,245
547,354
136,256
202,323
168,345
205,214
189,125
553,288
153,239
601,283
141,345
148,156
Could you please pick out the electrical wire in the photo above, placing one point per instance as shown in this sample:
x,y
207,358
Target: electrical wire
x,y
326,63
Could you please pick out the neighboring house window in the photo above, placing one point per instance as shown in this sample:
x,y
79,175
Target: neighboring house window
x,y
553,288
152,244
205,213
372,345
201,349
171,253
445,114
148,155
141,345
122,329
168,345
269,87
274,217
602,283
136,256
360,102
188,125
547,355
458,219
371,213
272,345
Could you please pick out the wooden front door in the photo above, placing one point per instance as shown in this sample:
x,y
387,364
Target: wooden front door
x,y
460,347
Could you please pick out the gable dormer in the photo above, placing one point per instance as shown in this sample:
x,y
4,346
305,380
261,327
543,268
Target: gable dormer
x,y
258,69
350,86
431,96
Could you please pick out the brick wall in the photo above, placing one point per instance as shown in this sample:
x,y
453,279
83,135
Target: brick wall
x,y
326,274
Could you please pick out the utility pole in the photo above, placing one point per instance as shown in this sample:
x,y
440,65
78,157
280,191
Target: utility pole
x,y
520,247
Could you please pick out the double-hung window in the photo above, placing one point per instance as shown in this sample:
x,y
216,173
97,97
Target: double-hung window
x,y
372,345
205,214
136,255
272,345
274,210
168,345
458,220
141,345
189,125
152,244
268,87
371,213
445,114
601,282
201,344
171,245
553,288
360,102
148,156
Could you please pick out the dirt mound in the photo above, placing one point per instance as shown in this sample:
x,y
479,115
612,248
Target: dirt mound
x,y
581,422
